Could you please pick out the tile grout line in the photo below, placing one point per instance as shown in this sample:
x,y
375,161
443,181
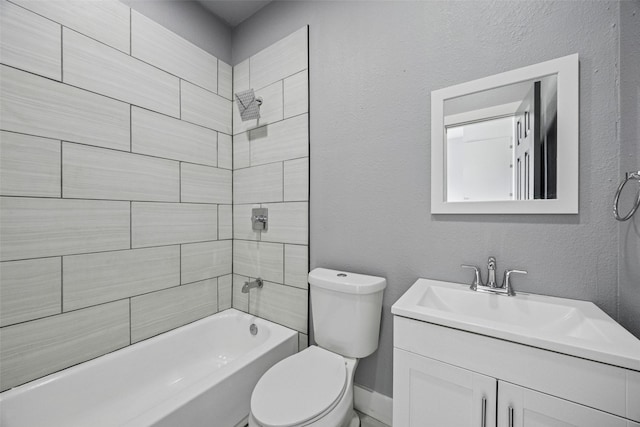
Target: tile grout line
x,y
87,199
61,53
130,128
61,171
130,224
130,322
113,250
61,285
131,33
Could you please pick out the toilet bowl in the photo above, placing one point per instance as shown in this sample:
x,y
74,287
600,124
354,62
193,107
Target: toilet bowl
x,y
315,387
312,388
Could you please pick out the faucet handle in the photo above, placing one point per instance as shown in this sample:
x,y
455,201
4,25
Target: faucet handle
x,y
506,283
477,281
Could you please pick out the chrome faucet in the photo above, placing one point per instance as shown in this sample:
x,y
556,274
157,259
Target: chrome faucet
x,y
491,285
250,285
491,267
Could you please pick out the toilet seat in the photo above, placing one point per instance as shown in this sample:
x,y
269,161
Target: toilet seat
x,y
299,389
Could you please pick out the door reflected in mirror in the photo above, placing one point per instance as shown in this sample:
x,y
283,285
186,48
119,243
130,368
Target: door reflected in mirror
x,y
507,143
501,143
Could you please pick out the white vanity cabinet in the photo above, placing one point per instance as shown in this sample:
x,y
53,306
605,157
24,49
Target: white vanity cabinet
x,y
445,377
445,395
521,407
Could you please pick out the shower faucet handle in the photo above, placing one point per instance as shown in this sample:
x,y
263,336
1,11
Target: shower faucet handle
x,y
259,219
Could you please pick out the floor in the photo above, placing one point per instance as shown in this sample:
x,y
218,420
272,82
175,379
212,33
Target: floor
x,y
367,421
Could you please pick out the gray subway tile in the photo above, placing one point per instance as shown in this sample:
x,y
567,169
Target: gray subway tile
x,y
225,151
296,94
257,259
225,80
160,311
156,45
98,173
29,41
240,299
225,222
33,349
162,136
281,304
296,265
283,58
205,108
284,140
92,279
258,184
288,223
29,166
29,289
225,291
37,106
33,228
93,66
296,180
155,224
204,184
206,260
106,21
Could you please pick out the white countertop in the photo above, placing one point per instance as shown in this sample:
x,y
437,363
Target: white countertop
x,y
572,327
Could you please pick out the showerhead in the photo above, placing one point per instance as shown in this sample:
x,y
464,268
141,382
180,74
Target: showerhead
x,y
248,105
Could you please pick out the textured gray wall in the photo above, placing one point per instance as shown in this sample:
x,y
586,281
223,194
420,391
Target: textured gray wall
x,y
372,68
629,261
189,19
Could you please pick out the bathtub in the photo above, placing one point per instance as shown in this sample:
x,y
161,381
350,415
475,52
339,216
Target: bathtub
x,y
201,374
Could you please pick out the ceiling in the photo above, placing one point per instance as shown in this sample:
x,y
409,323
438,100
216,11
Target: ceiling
x,y
233,12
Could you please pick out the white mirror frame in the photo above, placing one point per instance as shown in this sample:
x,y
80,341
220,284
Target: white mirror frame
x,y
566,68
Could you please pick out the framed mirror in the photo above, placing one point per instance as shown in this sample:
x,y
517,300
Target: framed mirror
x,y
508,143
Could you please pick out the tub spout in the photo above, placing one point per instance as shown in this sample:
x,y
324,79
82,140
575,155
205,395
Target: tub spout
x,y
250,285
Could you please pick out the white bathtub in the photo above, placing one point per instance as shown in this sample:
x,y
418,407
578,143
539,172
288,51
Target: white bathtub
x,y
201,374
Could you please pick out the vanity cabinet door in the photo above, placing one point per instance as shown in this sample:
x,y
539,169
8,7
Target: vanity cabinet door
x,y
427,392
522,407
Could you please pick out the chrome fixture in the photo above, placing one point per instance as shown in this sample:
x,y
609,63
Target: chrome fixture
x,y
259,218
491,267
491,285
250,285
253,329
629,176
248,105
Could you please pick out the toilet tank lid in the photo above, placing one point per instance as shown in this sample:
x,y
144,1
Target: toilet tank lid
x,y
345,282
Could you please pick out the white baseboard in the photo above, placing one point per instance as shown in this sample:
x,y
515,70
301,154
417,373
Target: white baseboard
x,y
374,404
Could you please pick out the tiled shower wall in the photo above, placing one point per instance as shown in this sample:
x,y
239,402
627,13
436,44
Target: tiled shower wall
x,y
116,184
271,170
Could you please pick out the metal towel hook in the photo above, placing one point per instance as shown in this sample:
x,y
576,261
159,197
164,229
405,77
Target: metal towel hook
x,y
629,176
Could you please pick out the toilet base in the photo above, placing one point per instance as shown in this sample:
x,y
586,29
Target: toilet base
x,y
355,420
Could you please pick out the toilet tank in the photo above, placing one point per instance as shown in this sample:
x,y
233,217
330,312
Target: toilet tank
x,y
346,309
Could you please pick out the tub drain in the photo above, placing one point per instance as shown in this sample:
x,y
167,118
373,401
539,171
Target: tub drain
x,y
253,329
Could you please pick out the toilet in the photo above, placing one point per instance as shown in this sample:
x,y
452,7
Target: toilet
x,y
315,387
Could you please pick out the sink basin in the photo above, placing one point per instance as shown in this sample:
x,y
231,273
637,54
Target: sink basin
x,y
578,328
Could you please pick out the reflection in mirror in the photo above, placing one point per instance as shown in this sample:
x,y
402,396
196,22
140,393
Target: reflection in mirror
x,y
508,143
501,143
